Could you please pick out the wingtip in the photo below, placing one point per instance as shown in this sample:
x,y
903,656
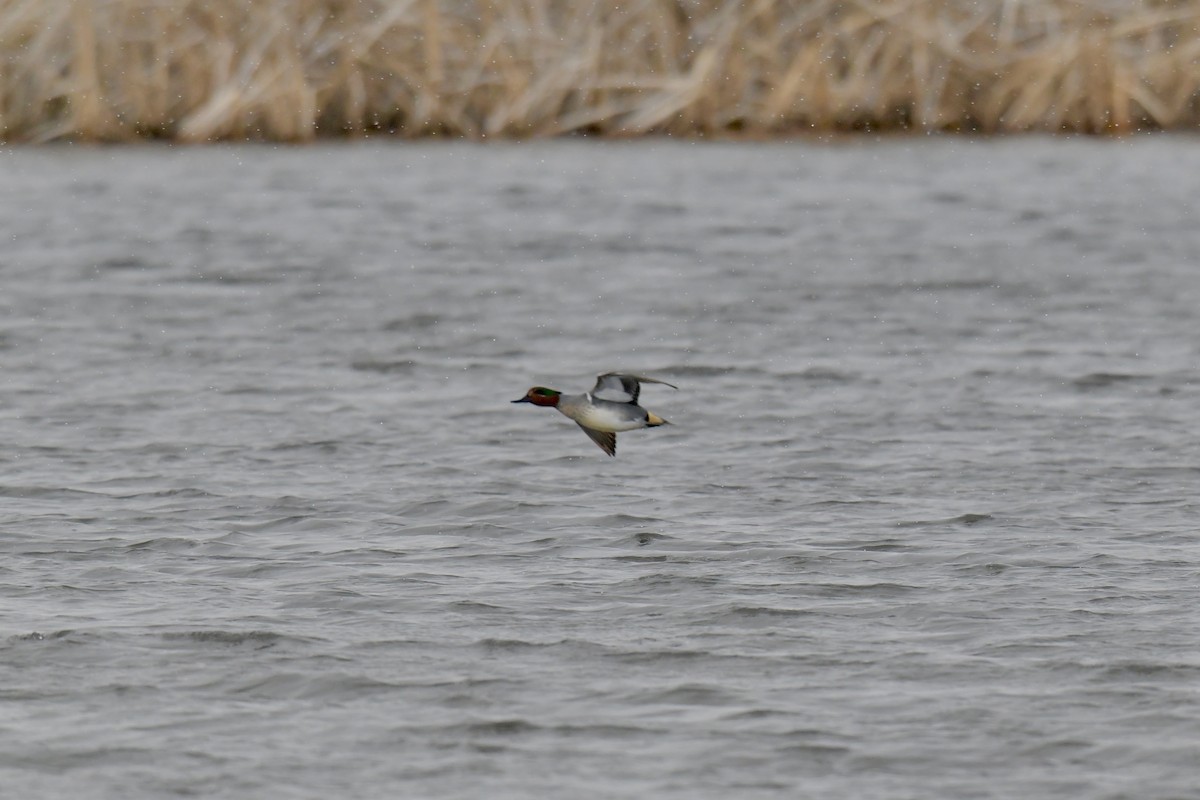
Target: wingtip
x,y
616,373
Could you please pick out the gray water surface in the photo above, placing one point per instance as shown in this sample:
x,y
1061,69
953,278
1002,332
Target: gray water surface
x,y
925,525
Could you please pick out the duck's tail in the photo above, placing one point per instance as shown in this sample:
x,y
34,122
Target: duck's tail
x,y
654,420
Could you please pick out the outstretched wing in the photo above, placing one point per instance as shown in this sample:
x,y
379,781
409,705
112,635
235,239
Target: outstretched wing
x,y
620,388
606,439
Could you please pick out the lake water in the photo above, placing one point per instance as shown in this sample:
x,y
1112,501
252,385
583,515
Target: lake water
x,y
925,525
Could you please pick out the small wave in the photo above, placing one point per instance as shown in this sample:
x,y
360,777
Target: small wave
x,y
1141,670
689,694
885,547
256,639
660,657
126,263
989,569
501,727
765,231
751,612
511,645
963,285
228,278
312,685
602,730
323,446
475,605
167,544
418,321
968,519
961,519
68,636
814,753
1102,380
661,207
855,589
181,494
48,492
822,375
695,370
403,366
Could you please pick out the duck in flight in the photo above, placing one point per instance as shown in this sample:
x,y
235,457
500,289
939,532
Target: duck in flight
x,y
611,406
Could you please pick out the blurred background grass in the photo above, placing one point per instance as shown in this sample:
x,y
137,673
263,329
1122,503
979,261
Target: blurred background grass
x,y
289,70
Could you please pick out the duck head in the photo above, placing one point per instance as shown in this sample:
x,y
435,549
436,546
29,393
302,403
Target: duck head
x,y
540,396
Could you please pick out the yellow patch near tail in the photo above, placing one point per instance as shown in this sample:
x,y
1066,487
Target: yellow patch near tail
x,y
653,419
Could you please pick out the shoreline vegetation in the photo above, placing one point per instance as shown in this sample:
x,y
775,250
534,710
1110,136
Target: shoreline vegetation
x,y
294,70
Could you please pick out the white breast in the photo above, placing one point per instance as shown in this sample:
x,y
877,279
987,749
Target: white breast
x,y
610,418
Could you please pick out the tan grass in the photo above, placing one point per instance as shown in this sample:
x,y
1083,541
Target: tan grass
x,y
202,70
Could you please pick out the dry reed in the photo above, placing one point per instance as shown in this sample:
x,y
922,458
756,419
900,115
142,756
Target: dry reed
x,y
200,70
